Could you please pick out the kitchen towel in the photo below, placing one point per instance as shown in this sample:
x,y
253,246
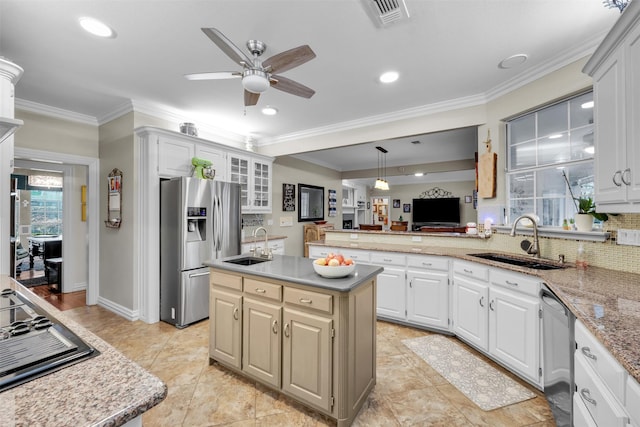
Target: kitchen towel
x,y
486,386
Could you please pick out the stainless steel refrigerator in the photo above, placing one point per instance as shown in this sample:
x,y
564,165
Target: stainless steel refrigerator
x,y
200,220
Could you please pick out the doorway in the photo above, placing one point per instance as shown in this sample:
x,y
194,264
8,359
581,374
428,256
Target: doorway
x,y
42,216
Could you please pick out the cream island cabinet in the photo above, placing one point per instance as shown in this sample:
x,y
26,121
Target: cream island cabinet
x,y
308,337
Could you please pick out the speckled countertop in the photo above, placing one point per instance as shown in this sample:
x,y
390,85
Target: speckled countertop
x,y
606,301
106,390
251,239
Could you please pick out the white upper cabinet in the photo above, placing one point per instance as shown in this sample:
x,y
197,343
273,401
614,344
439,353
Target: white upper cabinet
x,y
615,67
254,174
218,158
174,157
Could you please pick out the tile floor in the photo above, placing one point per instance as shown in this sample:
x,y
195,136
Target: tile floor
x,y
408,392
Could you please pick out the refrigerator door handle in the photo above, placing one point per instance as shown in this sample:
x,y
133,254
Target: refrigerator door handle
x,y
198,275
218,213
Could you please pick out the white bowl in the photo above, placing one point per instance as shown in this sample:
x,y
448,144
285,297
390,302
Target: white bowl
x,y
333,272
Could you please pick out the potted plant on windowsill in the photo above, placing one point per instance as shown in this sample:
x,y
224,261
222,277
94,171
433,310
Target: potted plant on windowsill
x,y
586,213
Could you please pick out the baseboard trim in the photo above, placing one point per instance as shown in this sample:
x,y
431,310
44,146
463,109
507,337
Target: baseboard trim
x,y
131,315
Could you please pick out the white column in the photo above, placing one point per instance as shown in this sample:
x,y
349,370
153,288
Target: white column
x,y
10,73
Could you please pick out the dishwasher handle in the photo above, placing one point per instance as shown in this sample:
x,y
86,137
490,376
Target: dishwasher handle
x,y
552,302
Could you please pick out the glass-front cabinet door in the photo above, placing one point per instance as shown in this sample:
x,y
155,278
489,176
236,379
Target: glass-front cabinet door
x,y
261,186
239,173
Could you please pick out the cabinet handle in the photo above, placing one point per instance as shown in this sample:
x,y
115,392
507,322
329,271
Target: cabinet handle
x,y
235,313
467,271
587,352
625,176
511,283
586,395
286,330
491,305
274,327
481,300
260,290
387,260
617,178
305,301
427,264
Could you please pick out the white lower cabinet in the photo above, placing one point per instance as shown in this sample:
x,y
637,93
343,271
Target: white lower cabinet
x,y
392,295
275,245
470,315
514,331
428,291
600,381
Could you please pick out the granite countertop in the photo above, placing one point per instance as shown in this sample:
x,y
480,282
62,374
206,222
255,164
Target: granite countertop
x,y
106,390
298,270
606,301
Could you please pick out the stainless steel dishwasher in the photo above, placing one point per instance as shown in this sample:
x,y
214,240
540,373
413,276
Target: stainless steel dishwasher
x,y
558,346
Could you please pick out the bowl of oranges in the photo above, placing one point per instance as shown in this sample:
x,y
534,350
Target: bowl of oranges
x,y
334,266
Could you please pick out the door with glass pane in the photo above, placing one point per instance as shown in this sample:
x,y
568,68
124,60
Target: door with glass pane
x,y
239,173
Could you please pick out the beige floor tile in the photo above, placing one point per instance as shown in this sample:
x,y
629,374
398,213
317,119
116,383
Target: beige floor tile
x,y
408,391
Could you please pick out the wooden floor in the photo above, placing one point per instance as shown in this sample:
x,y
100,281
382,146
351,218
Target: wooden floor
x,y
59,300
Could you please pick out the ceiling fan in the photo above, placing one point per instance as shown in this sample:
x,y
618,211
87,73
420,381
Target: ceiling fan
x,y
258,75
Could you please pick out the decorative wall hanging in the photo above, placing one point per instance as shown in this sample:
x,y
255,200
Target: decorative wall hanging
x,y
487,171
288,197
114,199
406,207
332,203
396,203
435,193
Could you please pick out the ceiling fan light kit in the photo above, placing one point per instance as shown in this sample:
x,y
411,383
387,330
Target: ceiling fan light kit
x,y
258,76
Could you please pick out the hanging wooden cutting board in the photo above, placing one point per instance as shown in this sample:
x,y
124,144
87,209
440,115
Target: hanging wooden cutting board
x,y
487,169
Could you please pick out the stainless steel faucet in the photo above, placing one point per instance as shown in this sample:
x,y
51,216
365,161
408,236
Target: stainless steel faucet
x,y
535,248
266,252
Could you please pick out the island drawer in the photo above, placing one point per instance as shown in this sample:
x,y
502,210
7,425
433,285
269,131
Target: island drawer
x,y
230,281
308,299
263,289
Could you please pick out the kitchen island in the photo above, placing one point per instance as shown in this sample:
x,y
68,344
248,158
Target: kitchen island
x,y
308,337
105,390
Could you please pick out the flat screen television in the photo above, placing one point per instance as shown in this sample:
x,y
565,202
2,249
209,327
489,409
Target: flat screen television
x,y
436,212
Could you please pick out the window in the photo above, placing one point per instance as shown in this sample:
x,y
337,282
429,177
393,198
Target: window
x,y
541,146
46,212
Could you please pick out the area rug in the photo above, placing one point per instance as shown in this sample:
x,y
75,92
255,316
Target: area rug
x,y
36,281
483,384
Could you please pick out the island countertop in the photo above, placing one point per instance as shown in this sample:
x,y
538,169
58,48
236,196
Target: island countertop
x,y
106,390
298,270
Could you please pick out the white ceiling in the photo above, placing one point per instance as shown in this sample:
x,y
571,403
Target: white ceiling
x,y
445,50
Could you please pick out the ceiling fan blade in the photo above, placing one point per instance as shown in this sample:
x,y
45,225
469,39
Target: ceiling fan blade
x,y
214,76
250,98
230,49
289,59
294,88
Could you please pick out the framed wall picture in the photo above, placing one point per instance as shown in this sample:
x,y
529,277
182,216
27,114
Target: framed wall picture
x,y
467,199
406,207
396,203
288,197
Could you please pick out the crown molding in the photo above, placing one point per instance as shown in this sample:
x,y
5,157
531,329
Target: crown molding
x,y
58,113
409,113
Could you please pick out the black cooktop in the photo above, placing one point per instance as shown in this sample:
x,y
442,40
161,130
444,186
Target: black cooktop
x,y
33,343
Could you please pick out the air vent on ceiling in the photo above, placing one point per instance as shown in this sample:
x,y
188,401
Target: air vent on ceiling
x,y
389,11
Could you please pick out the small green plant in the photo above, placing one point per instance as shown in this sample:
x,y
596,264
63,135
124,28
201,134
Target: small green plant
x,y
587,206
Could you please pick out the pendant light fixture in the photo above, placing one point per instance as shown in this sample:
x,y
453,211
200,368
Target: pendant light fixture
x,y
381,182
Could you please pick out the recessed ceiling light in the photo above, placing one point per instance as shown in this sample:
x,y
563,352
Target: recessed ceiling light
x,y
269,111
418,174
513,61
97,28
389,77
588,104
555,136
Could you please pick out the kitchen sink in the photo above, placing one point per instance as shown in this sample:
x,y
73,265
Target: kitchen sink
x,y
250,260
536,264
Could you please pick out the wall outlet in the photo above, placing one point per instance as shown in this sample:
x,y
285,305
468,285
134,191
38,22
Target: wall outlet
x,y
353,236
628,237
286,221
416,238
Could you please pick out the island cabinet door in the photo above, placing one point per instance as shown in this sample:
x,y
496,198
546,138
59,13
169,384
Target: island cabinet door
x,y
306,359
225,329
261,340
